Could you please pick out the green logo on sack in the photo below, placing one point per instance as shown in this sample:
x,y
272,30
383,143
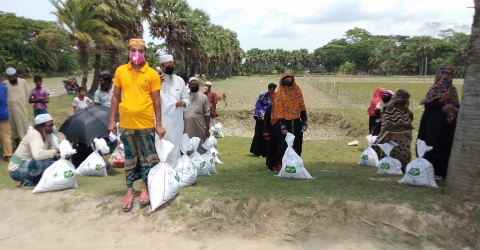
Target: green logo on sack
x,y
414,172
211,161
177,177
365,157
385,165
202,165
213,154
68,174
216,133
290,169
98,167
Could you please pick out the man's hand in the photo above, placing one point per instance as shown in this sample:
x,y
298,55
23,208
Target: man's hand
x,y
160,130
112,126
180,103
207,132
162,78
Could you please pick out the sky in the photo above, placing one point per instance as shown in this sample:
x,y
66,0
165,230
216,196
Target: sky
x,y
309,24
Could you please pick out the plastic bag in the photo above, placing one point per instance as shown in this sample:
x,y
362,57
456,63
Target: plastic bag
x,y
184,165
163,180
369,157
95,165
209,156
198,161
292,164
61,174
420,172
217,131
389,165
117,158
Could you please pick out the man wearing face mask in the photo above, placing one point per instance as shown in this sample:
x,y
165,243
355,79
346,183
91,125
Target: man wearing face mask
x,y
138,86
104,94
175,100
197,116
288,115
18,93
35,153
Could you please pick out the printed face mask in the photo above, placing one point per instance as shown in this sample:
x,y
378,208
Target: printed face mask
x,y
136,58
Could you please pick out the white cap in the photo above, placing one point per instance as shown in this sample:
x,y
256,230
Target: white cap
x,y
208,83
39,119
10,71
192,79
166,58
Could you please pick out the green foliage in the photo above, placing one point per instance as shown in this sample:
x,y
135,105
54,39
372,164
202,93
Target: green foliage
x,y
347,68
279,68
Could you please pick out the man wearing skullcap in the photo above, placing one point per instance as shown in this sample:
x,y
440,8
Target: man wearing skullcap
x,y
197,116
138,87
35,153
175,100
18,93
212,99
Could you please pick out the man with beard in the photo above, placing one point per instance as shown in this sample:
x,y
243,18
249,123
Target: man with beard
x,y
35,153
175,100
212,99
197,116
103,95
18,92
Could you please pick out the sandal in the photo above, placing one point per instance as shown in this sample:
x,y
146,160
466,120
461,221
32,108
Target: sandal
x,y
142,197
127,199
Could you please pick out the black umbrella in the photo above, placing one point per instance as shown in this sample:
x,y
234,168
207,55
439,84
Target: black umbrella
x,y
87,124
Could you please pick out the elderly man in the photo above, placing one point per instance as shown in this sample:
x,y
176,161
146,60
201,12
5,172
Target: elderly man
x,y
197,116
175,100
138,86
103,95
35,153
5,132
18,93
212,100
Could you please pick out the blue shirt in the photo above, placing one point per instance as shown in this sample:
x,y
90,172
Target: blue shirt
x,y
3,102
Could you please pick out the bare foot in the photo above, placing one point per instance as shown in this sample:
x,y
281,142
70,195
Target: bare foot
x,y
260,157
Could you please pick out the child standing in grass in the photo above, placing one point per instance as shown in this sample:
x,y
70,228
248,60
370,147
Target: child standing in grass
x,y
81,101
39,96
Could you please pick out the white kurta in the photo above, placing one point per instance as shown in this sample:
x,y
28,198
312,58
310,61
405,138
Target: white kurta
x,y
173,90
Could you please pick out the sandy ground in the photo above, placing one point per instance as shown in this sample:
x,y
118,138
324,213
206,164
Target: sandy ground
x,y
69,220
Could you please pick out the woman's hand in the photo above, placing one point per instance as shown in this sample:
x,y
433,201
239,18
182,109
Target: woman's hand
x,y
304,128
284,132
446,98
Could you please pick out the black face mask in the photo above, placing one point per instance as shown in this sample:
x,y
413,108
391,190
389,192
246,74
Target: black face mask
x,y
169,70
386,99
287,84
195,89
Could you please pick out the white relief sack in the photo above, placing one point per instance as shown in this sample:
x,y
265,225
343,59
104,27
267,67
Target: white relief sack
x,y
217,131
95,165
369,157
198,161
389,165
163,180
61,174
420,172
184,165
292,164
209,156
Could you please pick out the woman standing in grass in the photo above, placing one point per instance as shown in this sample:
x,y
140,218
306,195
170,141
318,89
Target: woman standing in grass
x,y
437,126
377,97
397,126
289,114
259,147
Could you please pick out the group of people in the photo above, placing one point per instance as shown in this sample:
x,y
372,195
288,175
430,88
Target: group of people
x,y
276,114
391,120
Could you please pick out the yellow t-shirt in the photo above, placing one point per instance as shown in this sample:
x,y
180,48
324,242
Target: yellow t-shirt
x,y
136,106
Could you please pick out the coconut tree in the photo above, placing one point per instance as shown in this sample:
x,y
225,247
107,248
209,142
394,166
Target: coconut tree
x,y
464,169
82,21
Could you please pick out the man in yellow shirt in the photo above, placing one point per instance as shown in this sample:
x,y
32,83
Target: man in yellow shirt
x,y
137,86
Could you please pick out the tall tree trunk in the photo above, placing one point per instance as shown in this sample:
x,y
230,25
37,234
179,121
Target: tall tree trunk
x,y
84,67
191,73
464,169
96,73
113,54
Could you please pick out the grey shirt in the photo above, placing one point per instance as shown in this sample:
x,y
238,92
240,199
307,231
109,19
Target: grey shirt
x,y
104,98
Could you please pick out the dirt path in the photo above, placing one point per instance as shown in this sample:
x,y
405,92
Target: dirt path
x,y
69,220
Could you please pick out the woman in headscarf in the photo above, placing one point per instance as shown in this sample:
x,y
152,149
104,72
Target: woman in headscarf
x,y
288,114
397,126
437,126
380,109
259,147
377,97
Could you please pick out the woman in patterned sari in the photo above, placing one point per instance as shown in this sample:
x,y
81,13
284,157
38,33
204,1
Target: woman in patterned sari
x,y
289,114
437,126
397,127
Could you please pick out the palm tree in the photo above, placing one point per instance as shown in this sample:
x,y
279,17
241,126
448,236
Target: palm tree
x,y
464,170
375,58
387,47
423,50
82,21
